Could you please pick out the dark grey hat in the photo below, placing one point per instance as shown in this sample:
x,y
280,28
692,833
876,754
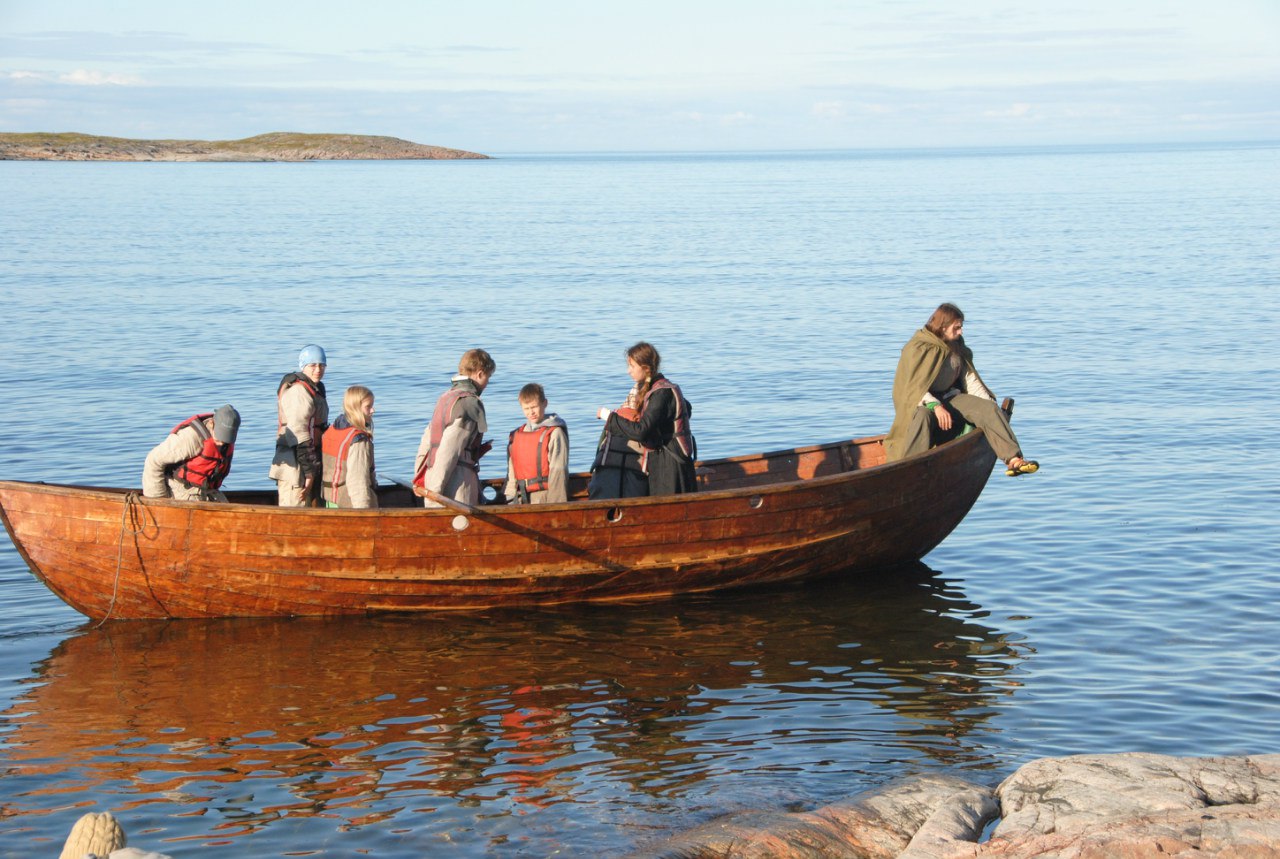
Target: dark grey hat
x,y
226,423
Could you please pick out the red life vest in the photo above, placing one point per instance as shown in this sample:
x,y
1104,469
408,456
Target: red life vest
x,y
441,417
208,468
682,434
334,446
530,455
289,380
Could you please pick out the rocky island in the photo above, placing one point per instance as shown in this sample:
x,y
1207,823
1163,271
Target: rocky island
x,y
276,146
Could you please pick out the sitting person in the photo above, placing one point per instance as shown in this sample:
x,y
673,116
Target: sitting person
x,y
346,450
193,460
537,453
448,460
661,427
936,389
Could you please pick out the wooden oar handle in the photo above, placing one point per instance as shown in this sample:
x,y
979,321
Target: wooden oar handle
x,y
451,503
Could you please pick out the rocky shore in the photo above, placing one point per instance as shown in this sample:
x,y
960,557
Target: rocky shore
x,y
1122,806
276,146
1129,806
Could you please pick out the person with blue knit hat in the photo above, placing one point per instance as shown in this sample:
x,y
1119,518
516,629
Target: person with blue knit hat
x,y
302,417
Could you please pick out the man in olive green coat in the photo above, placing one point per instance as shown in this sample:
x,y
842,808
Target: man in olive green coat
x,y
937,388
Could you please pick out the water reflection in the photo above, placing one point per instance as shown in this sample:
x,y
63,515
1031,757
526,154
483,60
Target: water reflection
x,y
222,727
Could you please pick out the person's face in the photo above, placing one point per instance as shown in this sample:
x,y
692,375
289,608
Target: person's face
x,y
366,409
534,410
481,378
635,371
314,372
952,332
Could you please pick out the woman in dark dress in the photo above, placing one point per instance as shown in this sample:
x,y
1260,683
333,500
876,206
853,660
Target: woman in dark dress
x,y
661,430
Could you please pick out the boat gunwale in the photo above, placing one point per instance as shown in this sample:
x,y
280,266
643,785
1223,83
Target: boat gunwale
x,y
110,492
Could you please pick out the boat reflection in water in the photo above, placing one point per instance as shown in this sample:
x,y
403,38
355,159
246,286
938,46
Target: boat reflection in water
x,y
605,724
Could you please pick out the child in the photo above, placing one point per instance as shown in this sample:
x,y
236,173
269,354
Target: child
x,y
537,453
346,450
448,460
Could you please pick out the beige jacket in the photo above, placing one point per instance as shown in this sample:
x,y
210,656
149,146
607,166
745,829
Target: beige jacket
x,y
356,492
177,447
298,410
452,473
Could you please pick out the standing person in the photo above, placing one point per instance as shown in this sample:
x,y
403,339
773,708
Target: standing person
x,y
937,388
662,427
346,451
448,460
194,458
302,416
537,453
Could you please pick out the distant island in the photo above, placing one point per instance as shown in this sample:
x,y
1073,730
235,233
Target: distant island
x,y
276,146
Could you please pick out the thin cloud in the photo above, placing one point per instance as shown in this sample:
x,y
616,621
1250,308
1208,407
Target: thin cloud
x,y
143,46
92,77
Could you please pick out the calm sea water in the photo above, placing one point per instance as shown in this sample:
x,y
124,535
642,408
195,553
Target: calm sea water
x,y
1124,599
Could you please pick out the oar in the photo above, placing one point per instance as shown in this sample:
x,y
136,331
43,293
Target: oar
x,y
503,522
422,491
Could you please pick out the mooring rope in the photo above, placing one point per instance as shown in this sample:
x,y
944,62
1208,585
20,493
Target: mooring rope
x,y
130,499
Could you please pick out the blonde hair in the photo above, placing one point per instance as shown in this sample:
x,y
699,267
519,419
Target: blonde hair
x,y
532,392
474,360
353,407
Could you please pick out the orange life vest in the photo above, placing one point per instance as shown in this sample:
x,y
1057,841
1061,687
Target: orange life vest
x,y
530,455
208,468
334,446
441,417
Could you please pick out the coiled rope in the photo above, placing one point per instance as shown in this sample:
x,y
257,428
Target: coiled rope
x,y
130,500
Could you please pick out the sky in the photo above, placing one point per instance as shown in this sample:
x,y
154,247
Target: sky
x,y
501,76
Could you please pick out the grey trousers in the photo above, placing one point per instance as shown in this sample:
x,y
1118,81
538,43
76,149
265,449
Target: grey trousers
x,y
984,414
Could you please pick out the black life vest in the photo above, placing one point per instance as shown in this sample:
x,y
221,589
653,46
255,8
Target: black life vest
x,y
614,450
208,468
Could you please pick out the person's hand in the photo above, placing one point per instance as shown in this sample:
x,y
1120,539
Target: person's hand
x,y
603,413
484,448
943,415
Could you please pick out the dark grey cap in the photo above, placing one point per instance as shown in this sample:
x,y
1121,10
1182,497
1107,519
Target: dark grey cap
x,y
226,423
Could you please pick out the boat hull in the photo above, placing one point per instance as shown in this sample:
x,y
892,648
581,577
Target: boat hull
x,y
761,520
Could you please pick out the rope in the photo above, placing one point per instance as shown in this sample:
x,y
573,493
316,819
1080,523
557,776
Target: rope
x,y
130,499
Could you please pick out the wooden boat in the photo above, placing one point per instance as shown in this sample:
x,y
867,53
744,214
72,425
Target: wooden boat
x,y
759,519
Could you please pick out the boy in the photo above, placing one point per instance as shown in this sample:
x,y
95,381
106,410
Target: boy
x,y
537,453
448,460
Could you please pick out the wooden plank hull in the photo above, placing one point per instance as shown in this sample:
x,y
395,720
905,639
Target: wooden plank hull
x,y
761,520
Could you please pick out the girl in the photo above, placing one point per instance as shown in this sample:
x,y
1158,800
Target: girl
x,y
660,430
347,452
